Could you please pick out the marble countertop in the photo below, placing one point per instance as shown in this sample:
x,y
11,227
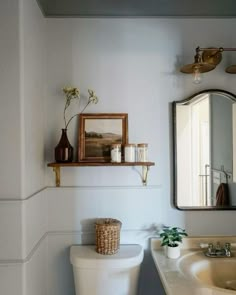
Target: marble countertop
x,y
174,281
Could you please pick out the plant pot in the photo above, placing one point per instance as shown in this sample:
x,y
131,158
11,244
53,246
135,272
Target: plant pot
x,y
64,150
173,252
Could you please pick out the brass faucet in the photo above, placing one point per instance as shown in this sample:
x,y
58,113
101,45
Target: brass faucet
x,y
218,250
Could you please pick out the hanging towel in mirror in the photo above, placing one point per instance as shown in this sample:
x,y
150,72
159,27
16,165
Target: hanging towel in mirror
x,y
222,195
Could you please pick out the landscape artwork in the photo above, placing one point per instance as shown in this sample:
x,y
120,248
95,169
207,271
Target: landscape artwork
x,y
97,134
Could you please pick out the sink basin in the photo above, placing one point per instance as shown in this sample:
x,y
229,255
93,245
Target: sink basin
x,y
211,272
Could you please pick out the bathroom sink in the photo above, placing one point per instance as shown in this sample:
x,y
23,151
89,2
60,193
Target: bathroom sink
x,y
211,272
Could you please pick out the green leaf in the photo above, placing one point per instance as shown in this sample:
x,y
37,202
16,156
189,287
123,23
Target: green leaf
x,y
172,235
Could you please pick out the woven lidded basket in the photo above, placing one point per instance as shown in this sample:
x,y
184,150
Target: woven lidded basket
x,y
107,235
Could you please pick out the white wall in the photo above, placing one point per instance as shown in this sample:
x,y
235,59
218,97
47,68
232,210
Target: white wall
x,y
133,66
23,211
11,147
33,83
10,127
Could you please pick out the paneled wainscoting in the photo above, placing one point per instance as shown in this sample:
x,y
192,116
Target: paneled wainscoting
x,y
40,229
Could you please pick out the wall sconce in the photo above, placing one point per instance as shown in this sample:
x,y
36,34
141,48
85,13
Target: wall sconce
x,y
205,60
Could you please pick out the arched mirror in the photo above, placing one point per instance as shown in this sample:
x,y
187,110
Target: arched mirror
x,y
205,151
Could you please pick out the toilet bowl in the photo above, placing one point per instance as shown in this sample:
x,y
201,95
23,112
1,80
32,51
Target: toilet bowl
x,y
97,274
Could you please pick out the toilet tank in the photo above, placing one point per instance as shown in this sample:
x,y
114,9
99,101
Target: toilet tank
x,y
97,274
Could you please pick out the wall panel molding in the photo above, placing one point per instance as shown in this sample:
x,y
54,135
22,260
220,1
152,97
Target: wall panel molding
x,y
66,210
141,237
18,199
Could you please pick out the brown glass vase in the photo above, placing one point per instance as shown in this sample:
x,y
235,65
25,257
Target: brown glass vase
x,y
64,150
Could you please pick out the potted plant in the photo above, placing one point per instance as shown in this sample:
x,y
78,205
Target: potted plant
x,y
171,238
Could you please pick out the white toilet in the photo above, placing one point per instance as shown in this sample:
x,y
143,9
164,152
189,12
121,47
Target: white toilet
x,y
97,274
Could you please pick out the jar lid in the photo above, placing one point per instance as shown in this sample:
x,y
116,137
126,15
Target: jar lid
x,y
116,145
142,144
130,144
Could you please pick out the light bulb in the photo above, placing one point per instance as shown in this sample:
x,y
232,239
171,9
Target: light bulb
x,y
197,77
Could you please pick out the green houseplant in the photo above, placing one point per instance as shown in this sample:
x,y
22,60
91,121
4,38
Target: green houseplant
x,y
172,237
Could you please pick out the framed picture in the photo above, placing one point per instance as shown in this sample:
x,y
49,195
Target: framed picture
x,y
96,134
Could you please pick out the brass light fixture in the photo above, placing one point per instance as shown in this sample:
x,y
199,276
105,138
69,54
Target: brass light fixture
x,y
231,69
205,60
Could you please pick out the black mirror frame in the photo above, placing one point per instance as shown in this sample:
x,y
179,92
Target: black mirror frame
x,y
187,100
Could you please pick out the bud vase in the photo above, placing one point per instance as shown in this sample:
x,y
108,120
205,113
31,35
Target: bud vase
x,y
64,150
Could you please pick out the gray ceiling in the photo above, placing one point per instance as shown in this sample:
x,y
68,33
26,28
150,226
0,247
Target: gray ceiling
x,y
138,8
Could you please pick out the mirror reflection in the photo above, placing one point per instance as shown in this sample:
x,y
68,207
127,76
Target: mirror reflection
x,y
205,151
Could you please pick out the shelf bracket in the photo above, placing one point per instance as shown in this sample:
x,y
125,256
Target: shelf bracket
x,y
57,175
143,174
145,170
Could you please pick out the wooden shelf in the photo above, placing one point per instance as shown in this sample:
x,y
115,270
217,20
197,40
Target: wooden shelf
x,y
83,164
56,167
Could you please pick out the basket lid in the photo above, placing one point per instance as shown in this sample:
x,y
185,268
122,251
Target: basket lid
x,y
87,257
108,222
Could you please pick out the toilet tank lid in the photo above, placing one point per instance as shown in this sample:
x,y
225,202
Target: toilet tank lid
x,y
86,257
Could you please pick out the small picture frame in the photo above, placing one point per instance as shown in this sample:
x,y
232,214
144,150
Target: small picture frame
x,y
97,132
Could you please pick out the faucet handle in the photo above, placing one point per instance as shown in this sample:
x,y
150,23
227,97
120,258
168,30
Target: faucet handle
x,y
228,250
227,246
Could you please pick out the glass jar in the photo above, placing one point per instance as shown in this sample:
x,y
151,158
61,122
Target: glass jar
x,y
142,152
116,153
130,150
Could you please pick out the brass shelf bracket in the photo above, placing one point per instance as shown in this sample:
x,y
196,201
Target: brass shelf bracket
x,y
145,170
57,171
